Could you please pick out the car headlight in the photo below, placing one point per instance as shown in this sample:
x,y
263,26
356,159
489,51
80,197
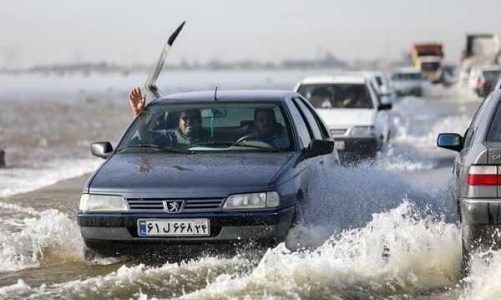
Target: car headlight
x,y
251,201
362,131
102,203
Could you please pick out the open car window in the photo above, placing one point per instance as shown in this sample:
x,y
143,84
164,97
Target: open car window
x,y
225,126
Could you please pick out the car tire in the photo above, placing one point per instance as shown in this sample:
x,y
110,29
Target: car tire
x,y
90,255
468,246
465,259
290,240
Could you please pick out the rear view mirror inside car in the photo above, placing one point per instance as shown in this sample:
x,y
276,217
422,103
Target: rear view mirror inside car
x,y
213,112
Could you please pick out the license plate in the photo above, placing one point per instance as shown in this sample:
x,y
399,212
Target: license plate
x,y
173,227
339,145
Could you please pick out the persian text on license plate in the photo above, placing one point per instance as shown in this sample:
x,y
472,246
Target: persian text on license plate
x,y
173,227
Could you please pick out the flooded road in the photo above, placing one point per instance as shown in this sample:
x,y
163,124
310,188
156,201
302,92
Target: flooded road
x,y
382,230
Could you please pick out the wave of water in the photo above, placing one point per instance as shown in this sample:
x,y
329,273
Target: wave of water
x,y
484,278
169,280
20,180
402,251
364,239
33,240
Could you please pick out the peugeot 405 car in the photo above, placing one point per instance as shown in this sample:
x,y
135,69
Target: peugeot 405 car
x,y
352,109
230,183
477,176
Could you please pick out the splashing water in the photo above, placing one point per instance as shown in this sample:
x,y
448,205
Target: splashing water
x,y
484,278
169,280
50,234
401,251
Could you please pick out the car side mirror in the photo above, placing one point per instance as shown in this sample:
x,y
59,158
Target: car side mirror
x,y
319,147
101,149
384,106
451,141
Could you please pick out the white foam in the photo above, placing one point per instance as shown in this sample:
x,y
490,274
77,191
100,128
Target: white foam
x,y
169,280
484,279
50,234
21,180
397,252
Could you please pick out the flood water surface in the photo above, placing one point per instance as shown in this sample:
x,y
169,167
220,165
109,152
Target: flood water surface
x,y
379,230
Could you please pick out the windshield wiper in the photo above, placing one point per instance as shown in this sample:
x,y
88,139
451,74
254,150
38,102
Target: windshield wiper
x,y
153,147
238,144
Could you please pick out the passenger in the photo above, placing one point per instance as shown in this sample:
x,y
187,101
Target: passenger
x,y
189,129
320,98
351,99
268,129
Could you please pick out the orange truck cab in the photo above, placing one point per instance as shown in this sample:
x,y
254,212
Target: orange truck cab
x,y
428,58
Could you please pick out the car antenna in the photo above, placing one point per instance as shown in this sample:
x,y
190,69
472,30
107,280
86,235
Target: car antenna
x,y
215,94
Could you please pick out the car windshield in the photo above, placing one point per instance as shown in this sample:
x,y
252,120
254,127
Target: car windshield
x,y
430,66
492,75
406,76
193,128
337,95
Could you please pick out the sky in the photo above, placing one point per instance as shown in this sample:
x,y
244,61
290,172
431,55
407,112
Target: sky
x,y
132,31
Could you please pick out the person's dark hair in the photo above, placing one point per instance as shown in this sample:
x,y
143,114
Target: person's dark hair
x,y
266,110
195,112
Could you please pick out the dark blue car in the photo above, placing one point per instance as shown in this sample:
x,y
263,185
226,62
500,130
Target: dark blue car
x,y
242,177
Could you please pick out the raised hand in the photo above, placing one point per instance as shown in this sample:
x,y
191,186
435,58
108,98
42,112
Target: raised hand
x,y
137,101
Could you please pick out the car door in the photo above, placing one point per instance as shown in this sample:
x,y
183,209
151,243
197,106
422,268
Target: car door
x,y
303,167
381,121
318,166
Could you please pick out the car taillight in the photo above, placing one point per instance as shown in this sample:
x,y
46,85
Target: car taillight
x,y
483,175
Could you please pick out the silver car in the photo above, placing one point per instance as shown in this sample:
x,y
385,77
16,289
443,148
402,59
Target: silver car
x,y
477,176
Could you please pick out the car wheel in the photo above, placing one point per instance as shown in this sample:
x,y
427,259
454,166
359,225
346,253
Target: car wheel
x,y
90,255
467,248
292,240
465,259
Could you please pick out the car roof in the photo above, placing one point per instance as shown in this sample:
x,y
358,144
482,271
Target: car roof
x,y
490,68
228,96
355,79
426,59
408,70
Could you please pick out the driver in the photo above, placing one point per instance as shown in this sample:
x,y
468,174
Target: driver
x,y
268,130
189,126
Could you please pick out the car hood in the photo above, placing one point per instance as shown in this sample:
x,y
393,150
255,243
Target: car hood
x,y
345,117
211,174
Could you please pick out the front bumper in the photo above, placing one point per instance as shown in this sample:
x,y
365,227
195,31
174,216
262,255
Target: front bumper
x,y
118,233
357,148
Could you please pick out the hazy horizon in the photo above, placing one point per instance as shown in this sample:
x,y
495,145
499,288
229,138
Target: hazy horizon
x,y
129,32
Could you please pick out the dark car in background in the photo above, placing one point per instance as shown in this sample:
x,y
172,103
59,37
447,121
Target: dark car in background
x,y
477,176
228,187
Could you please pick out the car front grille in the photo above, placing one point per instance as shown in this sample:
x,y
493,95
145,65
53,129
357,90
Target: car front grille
x,y
190,205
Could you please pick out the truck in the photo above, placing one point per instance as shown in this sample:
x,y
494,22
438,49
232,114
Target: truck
x,y
480,50
428,57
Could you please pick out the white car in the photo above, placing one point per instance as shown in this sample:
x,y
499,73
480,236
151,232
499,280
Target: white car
x,y
351,108
408,81
483,79
383,85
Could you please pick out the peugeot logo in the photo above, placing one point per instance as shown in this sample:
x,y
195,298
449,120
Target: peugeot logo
x,y
173,206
